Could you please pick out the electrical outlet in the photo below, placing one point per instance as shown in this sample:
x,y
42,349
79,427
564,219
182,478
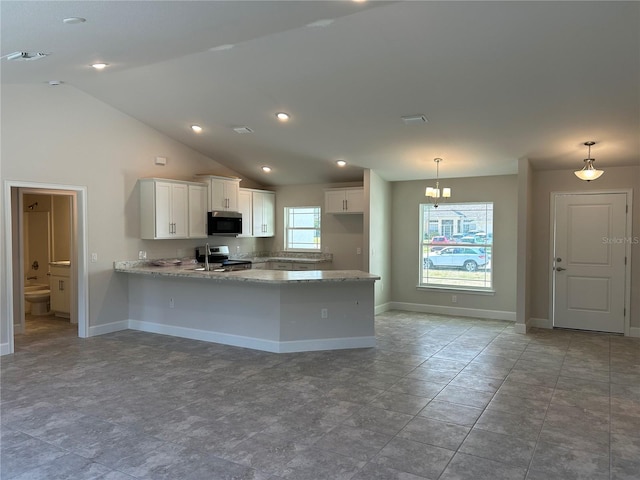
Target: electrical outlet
x,y
142,255
171,303
324,313
358,251
454,299
94,257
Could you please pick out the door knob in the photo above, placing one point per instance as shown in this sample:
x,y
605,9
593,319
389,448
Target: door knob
x,y
560,269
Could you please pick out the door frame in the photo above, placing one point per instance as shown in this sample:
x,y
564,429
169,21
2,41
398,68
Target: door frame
x,y
79,252
628,228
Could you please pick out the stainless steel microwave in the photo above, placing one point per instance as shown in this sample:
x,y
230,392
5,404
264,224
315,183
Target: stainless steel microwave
x,y
224,223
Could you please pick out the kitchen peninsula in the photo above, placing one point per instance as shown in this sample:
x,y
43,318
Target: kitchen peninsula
x,y
270,310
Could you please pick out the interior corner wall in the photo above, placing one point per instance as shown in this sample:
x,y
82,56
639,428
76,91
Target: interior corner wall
x,y
63,136
523,300
547,181
342,235
379,250
406,245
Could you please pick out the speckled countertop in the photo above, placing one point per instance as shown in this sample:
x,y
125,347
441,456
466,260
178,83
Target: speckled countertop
x,y
253,276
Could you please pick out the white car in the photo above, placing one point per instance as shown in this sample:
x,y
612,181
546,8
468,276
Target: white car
x,y
468,258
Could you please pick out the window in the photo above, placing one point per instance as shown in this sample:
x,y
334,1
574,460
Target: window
x,y
302,228
456,246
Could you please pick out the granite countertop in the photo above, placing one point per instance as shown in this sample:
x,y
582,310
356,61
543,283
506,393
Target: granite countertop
x,y
252,276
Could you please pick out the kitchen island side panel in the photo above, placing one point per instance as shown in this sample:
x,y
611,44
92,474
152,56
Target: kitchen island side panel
x,y
348,307
246,310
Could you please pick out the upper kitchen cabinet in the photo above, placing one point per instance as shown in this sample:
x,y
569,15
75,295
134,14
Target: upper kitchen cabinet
x,y
258,208
344,200
198,200
172,209
223,192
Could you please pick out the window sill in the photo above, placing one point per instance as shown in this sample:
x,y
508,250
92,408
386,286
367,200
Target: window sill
x,y
471,291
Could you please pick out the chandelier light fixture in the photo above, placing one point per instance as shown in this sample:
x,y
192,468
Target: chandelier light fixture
x,y
589,172
434,194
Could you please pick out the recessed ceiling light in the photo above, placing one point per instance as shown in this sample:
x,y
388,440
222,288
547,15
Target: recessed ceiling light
x,y
99,66
266,168
196,128
55,83
341,163
73,20
282,116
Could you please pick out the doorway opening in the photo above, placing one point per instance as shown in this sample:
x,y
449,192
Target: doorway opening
x,y
34,249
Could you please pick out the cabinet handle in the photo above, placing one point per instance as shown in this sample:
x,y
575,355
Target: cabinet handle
x,y
346,205
61,285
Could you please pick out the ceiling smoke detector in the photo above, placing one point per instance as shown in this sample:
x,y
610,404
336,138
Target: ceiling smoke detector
x,y
25,56
242,130
414,119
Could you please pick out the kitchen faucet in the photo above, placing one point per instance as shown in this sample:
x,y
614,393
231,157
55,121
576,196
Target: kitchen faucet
x,y
206,257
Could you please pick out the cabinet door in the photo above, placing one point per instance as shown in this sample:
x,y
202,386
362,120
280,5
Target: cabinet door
x,y
244,207
60,295
197,211
269,214
334,201
232,193
180,210
224,194
354,200
164,227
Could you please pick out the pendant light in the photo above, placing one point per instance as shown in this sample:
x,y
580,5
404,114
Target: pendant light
x,y
589,172
435,193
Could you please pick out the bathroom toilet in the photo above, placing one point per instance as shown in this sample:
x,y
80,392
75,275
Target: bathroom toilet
x,y
38,297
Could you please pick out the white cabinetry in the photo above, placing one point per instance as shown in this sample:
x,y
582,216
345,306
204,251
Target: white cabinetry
x,y
60,290
297,266
198,198
223,192
168,206
258,208
244,207
344,200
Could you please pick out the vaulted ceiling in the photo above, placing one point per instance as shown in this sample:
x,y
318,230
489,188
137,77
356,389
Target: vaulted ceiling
x,y
496,81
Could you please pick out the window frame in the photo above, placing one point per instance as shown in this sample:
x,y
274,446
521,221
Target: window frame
x,y
318,213
425,235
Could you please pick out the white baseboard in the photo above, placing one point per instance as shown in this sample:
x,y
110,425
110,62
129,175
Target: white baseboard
x,y
457,311
254,343
108,328
634,331
540,322
4,349
521,328
385,307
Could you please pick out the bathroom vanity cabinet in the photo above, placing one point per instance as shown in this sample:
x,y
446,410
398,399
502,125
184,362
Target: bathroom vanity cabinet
x,y
60,288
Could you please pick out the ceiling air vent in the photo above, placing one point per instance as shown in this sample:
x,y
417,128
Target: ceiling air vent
x,y
242,130
26,55
414,119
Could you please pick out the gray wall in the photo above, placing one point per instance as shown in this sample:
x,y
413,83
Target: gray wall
x,y
63,136
378,219
545,182
342,235
405,242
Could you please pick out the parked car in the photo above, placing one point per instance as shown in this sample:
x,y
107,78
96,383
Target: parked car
x,y
438,240
468,258
484,238
468,239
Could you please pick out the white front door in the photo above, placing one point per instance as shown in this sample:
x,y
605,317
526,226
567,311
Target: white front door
x,y
589,270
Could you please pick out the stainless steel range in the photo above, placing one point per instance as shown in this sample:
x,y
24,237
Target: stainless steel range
x,y
219,258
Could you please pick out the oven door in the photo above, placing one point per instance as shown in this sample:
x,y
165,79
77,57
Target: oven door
x,y
224,223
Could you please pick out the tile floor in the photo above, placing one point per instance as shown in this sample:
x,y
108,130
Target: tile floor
x,y
439,398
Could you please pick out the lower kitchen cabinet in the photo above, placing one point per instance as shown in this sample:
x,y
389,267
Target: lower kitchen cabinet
x,y
297,266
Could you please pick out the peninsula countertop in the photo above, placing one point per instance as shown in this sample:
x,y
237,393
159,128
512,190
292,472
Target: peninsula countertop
x,y
251,275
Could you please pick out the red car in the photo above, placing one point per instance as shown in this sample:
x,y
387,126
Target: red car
x,y
438,240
